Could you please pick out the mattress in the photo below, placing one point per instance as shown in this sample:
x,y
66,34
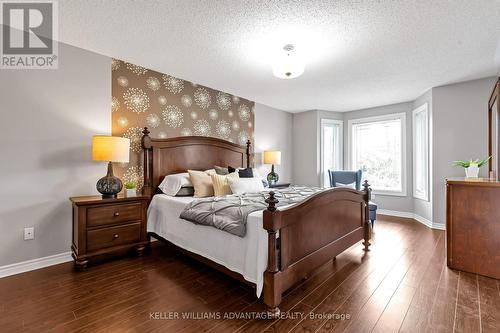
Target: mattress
x,y
244,255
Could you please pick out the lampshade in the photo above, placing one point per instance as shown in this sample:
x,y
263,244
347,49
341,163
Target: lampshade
x,y
110,149
272,157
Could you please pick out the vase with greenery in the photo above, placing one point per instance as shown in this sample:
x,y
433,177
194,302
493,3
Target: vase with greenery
x,y
130,189
472,166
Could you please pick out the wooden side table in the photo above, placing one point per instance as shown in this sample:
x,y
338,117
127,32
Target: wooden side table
x,y
102,226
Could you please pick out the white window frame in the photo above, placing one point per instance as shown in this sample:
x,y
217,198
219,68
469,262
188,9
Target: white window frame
x,y
402,117
324,122
421,109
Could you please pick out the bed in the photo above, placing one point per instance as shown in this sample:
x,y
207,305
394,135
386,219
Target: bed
x,y
282,246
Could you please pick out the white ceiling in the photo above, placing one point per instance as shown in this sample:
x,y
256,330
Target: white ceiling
x,y
358,54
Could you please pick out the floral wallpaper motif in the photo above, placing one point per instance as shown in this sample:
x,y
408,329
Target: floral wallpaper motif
x,y
171,107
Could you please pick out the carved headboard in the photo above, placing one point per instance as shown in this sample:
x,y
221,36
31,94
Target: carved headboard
x,y
163,157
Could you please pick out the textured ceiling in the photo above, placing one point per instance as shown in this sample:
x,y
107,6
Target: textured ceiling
x,y
358,53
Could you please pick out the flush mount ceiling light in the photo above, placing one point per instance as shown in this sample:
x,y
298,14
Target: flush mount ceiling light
x,y
288,64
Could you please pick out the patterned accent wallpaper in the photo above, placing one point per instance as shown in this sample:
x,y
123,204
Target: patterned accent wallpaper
x,y
171,107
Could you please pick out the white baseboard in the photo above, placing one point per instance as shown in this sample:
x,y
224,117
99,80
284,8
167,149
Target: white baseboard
x,y
30,265
416,217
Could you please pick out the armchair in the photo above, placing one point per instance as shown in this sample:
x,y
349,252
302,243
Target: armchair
x,y
345,178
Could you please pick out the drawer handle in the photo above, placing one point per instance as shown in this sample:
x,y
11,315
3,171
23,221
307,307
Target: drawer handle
x,y
117,214
115,236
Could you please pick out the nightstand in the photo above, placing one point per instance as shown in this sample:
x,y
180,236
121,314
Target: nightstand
x,y
279,185
102,226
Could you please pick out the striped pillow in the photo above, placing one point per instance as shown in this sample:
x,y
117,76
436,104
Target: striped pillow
x,y
221,183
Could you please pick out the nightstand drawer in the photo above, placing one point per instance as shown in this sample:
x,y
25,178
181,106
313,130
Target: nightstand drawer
x,y
106,237
111,214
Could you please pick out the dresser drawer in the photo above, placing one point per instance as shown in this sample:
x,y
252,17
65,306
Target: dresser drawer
x,y
112,236
111,214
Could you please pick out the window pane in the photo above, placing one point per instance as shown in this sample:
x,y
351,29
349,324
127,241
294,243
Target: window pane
x,y
421,156
332,150
377,151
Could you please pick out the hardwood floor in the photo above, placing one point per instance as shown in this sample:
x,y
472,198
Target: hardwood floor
x,y
402,284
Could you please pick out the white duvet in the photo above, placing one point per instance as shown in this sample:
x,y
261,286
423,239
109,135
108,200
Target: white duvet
x,y
245,255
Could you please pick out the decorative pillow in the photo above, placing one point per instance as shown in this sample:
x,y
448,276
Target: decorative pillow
x,y
221,171
171,184
243,172
185,191
221,183
202,183
351,185
256,174
246,185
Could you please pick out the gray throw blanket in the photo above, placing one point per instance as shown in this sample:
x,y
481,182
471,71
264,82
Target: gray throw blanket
x,y
230,213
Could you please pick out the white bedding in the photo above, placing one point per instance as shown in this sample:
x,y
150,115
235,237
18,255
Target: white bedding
x,y
245,255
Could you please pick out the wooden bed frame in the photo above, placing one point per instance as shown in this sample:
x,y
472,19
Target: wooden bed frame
x,y
300,238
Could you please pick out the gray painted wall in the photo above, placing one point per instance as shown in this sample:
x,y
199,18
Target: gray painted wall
x,y
460,132
305,149
273,131
47,121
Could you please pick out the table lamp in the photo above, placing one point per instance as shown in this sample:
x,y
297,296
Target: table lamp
x,y
272,157
110,149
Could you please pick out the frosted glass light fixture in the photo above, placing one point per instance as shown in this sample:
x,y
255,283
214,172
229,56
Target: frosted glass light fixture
x,y
288,64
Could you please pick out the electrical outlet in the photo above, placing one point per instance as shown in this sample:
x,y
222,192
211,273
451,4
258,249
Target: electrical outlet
x,y
29,233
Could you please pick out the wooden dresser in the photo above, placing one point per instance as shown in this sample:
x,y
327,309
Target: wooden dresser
x,y
102,226
473,226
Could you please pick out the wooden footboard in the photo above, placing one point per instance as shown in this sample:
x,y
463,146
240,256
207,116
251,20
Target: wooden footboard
x,y
306,236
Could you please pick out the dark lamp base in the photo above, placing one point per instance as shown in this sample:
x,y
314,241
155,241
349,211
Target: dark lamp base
x,y
109,186
272,177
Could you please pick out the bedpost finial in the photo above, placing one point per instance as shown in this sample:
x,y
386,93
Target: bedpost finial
x,y
271,201
366,186
146,139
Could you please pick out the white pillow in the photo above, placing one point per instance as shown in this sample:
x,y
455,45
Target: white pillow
x,y
171,184
246,185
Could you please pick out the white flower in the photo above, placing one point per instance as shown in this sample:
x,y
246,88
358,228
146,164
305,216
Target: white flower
x,y
243,138
135,136
173,84
153,83
162,100
230,113
202,128
186,101
250,124
213,114
122,121
223,129
153,120
223,101
236,99
173,116
138,70
115,104
136,100
244,112
202,98
122,81
235,125
193,115
186,132
115,64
